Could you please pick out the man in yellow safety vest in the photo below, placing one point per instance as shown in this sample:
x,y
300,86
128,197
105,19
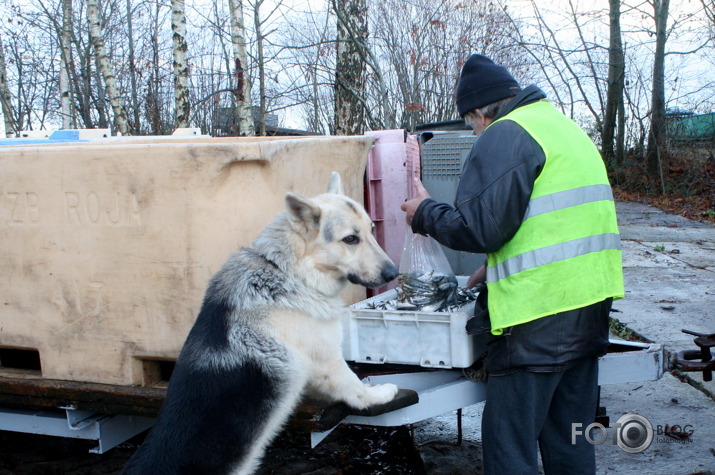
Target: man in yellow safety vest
x,y
534,196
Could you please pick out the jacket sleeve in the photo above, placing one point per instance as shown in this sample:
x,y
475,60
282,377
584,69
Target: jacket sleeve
x,y
493,192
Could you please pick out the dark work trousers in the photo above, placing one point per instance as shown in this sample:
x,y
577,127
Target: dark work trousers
x,y
524,408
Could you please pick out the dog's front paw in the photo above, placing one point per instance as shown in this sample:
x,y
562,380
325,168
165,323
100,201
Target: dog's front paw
x,y
380,394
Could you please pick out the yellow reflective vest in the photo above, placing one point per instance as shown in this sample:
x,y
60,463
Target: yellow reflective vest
x,y
566,254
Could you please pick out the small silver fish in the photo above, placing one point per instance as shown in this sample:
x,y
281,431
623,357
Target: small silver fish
x,y
427,292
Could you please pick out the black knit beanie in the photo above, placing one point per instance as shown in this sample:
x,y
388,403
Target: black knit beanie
x,y
483,82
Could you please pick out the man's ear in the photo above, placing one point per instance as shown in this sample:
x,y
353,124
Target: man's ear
x,y
335,185
302,211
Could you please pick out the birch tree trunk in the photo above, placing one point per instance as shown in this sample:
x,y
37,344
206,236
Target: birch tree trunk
x,y
5,99
181,67
66,103
350,67
656,137
242,90
614,93
105,67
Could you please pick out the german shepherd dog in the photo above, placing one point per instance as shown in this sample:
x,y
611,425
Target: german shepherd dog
x,y
269,331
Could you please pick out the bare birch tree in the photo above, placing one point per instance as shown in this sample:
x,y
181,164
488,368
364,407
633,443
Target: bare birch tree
x,y
5,98
66,102
242,91
181,66
105,67
350,66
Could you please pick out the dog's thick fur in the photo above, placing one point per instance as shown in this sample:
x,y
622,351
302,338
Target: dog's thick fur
x,y
268,332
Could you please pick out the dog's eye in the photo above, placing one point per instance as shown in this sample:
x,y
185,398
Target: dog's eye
x,y
352,239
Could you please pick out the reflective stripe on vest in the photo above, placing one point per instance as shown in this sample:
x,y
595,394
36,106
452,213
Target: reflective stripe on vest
x,y
554,253
568,198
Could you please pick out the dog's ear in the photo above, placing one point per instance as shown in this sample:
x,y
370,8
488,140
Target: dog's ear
x,y
335,185
303,211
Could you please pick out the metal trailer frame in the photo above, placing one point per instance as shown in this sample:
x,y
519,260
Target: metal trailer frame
x,y
439,392
443,391
108,430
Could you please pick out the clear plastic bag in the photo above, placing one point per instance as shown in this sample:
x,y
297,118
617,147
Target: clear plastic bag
x,y
426,281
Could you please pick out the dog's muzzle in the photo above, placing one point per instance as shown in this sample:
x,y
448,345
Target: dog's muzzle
x,y
389,271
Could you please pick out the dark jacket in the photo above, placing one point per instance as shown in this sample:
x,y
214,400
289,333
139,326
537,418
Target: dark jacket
x,y
492,197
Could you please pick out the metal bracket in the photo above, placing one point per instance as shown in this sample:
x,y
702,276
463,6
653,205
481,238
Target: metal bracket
x,y
109,431
630,362
699,360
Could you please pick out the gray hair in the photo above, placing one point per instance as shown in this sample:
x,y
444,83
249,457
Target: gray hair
x,y
489,111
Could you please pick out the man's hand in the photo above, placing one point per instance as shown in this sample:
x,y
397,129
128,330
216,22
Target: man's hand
x,y
410,206
479,276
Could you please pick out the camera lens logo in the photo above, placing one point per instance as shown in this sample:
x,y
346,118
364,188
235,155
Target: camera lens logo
x,y
634,433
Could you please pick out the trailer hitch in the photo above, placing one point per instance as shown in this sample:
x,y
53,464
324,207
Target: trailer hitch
x,y
699,360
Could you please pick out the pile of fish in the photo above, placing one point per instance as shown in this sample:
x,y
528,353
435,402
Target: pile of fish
x,y
427,292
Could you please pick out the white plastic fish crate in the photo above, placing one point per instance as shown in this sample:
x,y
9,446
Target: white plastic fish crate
x,y
428,339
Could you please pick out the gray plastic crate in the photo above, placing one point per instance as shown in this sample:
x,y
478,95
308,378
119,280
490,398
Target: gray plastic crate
x,y
443,157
